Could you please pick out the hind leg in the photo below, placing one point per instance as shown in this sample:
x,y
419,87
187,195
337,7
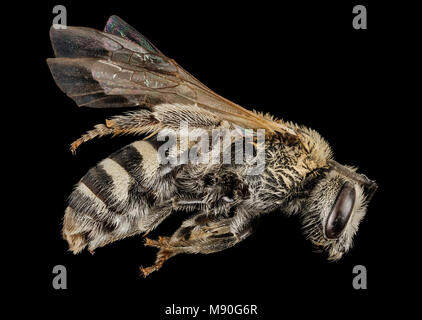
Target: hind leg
x,y
146,122
135,123
199,234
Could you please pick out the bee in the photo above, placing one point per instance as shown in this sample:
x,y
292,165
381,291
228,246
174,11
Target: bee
x,y
131,192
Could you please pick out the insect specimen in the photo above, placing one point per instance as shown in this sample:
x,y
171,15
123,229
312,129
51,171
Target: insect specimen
x,y
131,192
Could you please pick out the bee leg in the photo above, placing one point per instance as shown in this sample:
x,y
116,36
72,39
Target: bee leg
x,y
162,211
160,243
99,130
145,121
162,256
139,122
202,233
209,233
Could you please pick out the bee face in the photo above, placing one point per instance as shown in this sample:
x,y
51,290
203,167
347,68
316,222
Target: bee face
x,y
332,213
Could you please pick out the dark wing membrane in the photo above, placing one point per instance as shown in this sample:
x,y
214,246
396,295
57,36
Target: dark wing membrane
x,y
78,49
74,76
121,68
79,42
120,28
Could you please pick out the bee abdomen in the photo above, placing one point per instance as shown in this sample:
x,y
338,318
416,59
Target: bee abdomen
x,y
112,201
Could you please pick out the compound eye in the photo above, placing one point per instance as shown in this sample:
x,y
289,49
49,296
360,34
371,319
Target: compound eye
x,y
341,211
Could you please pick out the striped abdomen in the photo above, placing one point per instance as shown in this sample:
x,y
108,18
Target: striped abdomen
x,y
115,198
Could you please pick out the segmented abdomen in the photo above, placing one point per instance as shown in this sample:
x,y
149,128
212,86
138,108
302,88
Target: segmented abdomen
x,y
114,199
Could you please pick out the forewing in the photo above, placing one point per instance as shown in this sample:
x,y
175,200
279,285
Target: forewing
x,y
121,68
120,28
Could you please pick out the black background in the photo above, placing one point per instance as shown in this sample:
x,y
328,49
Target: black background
x,y
301,61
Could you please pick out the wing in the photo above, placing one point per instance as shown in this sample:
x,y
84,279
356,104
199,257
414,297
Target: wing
x,y
121,68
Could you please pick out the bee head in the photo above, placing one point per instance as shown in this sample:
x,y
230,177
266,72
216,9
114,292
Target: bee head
x,y
335,207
